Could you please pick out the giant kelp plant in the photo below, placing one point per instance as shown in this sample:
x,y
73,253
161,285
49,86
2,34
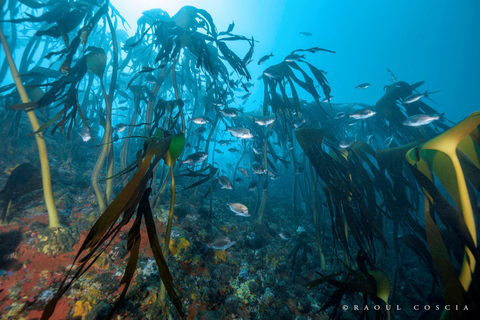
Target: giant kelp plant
x,y
142,115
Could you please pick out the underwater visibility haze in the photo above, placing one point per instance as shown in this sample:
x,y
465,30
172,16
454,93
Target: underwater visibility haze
x,y
239,159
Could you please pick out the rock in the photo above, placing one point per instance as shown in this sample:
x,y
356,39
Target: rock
x,y
254,287
99,312
216,274
231,304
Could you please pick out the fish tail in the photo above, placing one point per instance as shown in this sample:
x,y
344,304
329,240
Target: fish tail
x,y
426,94
441,117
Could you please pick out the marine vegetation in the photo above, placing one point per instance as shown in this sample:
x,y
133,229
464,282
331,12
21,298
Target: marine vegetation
x,y
296,206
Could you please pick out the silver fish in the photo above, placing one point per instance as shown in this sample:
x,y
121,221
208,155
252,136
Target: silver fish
x,y
414,97
199,130
243,171
221,243
240,132
265,58
253,185
363,114
363,86
256,151
265,121
346,143
201,120
293,57
225,182
195,158
150,79
340,115
85,134
388,141
284,236
120,127
421,120
257,168
230,112
239,209
272,74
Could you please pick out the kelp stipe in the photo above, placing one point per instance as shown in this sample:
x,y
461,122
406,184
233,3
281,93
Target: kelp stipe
x,y
132,201
447,157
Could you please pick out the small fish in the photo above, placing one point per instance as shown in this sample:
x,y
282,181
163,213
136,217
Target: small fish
x,y
150,79
221,243
363,114
246,96
218,102
238,180
298,122
244,172
195,158
421,120
289,146
274,74
265,121
224,142
231,112
284,236
200,130
85,134
369,138
327,99
120,127
233,150
218,151
414,97
363,86
293,57
256,151
394,79
201,120
239,209
388,141
257,168
240,132
225,182
265,58
346,143
253,185
340,115
307,34
301,230
188,146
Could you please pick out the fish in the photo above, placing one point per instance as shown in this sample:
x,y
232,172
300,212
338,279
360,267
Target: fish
x,y
238,180
264,58
394,79
340,115
224,142
240,132
346,143
388,141
253,185
274,74
264,121
218,103
222,244
257,168
120,127
150,79
363,114
414,97
298,122
327,99
85,134
289,146
363,86
233,150
231,112
307,34
195,158
293,57
244,172
225,182
256,151
284,236
199,130
218,151
200,120
239,209
246,96
422,120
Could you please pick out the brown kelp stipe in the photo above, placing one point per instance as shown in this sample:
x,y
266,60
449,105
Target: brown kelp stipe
x,y
132,202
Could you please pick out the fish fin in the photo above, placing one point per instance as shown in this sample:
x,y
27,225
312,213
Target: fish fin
x,y
441,117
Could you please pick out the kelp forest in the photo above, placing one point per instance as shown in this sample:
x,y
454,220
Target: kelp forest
x,y
140,179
